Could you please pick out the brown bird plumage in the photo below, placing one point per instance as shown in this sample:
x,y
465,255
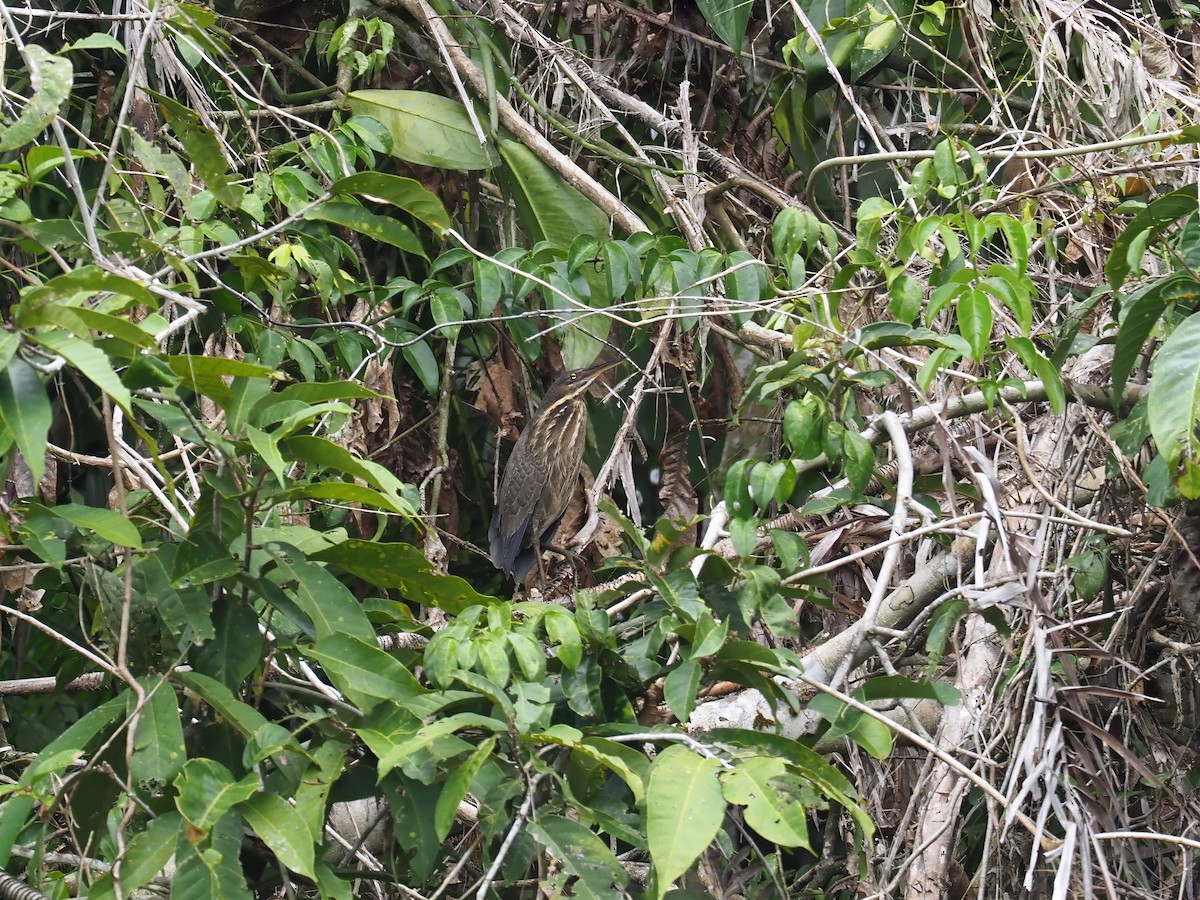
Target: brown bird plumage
x,y
541,473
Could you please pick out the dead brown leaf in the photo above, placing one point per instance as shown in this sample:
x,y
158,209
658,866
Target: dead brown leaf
x,y
497,399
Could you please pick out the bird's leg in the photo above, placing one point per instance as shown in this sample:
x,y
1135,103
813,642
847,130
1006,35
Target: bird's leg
x,y
537,555
578,563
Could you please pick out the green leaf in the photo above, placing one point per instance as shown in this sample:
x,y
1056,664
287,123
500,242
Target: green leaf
x,y
80,321
748,284
326,601
362,671
806,762
1044,369
236,647
774,814
338,491
975,321
403,193
803,426
942,625
321,391
379,228
208,869
267,448
322,452
207,790
728,18
581,852
737,490
1174,405
1141,313
397,753
245,719
204,151
680,689
51,77
684,810
743,534
858,458
328,762
98,40
906,299
1005,284
625,762
549,208
412,805
158,750
89,360
87,281
280,827
426,129
456,787
563,632
107,523
424,364
897,687
145,856
26,412
404,568
1127,249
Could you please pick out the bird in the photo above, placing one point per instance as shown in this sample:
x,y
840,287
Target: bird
x,y
541,472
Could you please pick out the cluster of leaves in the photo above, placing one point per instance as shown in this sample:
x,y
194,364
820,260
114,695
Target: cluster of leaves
x,y
208,558
191,339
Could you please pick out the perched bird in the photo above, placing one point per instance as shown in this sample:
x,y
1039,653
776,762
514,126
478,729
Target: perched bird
x,y
541,473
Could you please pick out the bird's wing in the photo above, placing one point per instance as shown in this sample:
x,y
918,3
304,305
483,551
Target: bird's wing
x,y
512,520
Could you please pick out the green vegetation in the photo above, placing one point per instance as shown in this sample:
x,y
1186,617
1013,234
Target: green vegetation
x,y
887,574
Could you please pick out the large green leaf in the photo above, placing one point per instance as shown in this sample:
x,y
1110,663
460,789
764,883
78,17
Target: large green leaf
x,y
207,790
776,815
549,208
158,750
1174,405
402,567
107,523
1130,245
728,18
362,671
280,827
380,228
322,452
1141,313
426,129
204,150
806,762
582,853
245,719
404,193
84,281
326,601
51,77
26,412
975,320
81,321
145,856
207,869
457,785
684,810
89,360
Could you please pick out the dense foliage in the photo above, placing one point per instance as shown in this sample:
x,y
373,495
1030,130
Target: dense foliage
x,y
887,545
